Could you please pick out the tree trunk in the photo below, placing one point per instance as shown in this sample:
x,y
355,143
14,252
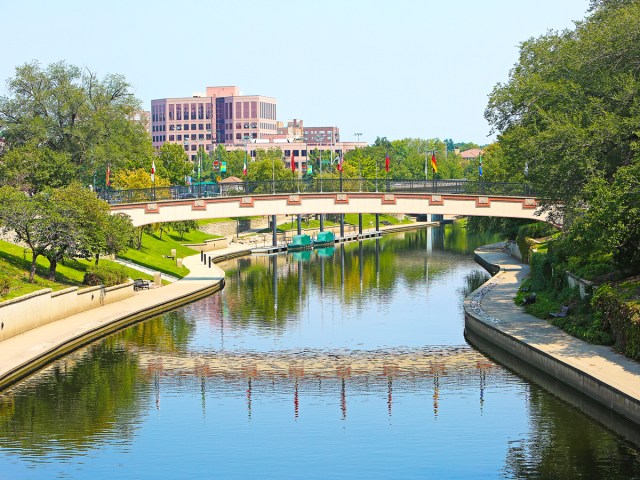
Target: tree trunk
x,y
53,264
97,258
32,272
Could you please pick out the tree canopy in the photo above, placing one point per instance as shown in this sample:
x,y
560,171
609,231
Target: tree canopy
x,y
570,112
69,115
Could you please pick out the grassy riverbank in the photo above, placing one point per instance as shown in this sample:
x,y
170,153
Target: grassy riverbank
x,y
15,263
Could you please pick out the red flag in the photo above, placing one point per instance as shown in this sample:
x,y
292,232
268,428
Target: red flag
x,y
386,163
108,175
153,171
244,168
293,163
340,163
434,165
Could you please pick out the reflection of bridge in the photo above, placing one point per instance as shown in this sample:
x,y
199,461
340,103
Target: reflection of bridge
x,y
318,364
146,212
314,373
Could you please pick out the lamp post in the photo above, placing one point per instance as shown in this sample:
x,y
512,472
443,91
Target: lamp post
x,y
358,135
246,149
318,139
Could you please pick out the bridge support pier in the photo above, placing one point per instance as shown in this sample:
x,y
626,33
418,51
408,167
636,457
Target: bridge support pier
x,y
377,222
342,225
321,222
274,231
359,224
299,224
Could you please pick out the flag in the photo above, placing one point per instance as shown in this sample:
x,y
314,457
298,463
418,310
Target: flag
x,y
340,163
244,167
526,168
434,165
108,182
386,162
480,169
153,172
426,165
293,162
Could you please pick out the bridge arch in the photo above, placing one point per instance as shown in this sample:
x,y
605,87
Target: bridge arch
x,y
331,203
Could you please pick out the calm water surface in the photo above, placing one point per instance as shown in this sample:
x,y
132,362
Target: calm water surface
x,y
338,363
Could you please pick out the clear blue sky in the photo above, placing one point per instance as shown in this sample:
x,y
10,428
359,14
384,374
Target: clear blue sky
x,y
401,68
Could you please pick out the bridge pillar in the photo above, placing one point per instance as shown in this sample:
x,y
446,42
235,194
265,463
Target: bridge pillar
x,y
377,222
274,231
321,222
299,224
360,224
342,225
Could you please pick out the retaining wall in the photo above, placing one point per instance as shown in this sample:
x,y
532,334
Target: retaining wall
x,y
45,306
581,381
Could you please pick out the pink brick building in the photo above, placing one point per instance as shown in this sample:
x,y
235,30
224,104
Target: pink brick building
x,y
221,115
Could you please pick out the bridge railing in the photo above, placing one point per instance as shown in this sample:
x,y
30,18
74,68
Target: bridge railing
x,y
180,192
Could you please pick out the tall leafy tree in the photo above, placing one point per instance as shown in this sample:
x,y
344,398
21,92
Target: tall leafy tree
x,y
72,112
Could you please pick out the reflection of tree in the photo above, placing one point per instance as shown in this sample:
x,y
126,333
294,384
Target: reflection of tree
x,y
269,289
565,444
170,332
75,406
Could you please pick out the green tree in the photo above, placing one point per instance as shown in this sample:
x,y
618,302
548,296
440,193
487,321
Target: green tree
x,y
173,163
71,112
571,111
32,168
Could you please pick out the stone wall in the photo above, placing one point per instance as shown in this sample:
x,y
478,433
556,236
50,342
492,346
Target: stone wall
x,y
44,306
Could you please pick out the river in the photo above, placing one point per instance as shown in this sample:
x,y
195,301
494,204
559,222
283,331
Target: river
x,y
337,363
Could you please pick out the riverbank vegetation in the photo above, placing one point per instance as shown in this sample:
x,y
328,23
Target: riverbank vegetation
x,y
567,122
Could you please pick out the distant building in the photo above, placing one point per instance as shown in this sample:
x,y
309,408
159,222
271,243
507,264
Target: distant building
x,y
223,116
472,154
220,116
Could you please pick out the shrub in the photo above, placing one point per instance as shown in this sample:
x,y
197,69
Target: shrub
x,y
620,313
5,286
107,274
529,231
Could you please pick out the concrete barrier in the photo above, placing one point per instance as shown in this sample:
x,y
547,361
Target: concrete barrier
x,y
45,306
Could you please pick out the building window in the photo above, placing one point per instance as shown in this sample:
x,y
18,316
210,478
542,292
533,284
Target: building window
x,y
287,153
178,112
193,147
208,126
201,126
172,128
238,136
193,136
171,108
201,136
238,110
193,111
208,137
179,137
186,126
200,111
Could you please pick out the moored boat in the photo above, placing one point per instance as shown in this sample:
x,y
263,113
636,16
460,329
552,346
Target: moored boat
x,y
324,239
300,242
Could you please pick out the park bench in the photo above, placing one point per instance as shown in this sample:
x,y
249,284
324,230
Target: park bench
x,y
385,222
564,310
140,284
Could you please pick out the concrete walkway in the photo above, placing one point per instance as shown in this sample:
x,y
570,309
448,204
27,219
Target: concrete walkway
x,y
27,352
493,305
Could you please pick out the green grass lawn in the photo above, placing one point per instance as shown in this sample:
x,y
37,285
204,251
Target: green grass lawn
x,y
15,263
155,249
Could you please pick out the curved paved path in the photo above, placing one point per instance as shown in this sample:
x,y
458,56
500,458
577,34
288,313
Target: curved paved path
x,y
493,305
27,352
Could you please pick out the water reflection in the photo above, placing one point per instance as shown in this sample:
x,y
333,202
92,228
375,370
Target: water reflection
x,y
355,354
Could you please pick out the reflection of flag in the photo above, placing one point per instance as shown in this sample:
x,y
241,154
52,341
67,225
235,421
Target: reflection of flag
x,y
293,163
244,168
153,171
386,162
434,165
108,175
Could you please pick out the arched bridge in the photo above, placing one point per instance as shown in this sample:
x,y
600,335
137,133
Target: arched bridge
x,y
450,197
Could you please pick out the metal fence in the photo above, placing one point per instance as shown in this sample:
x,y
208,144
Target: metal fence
x,y
179,192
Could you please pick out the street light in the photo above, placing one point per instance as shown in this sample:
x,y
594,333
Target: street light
x,y
358,135
318,139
